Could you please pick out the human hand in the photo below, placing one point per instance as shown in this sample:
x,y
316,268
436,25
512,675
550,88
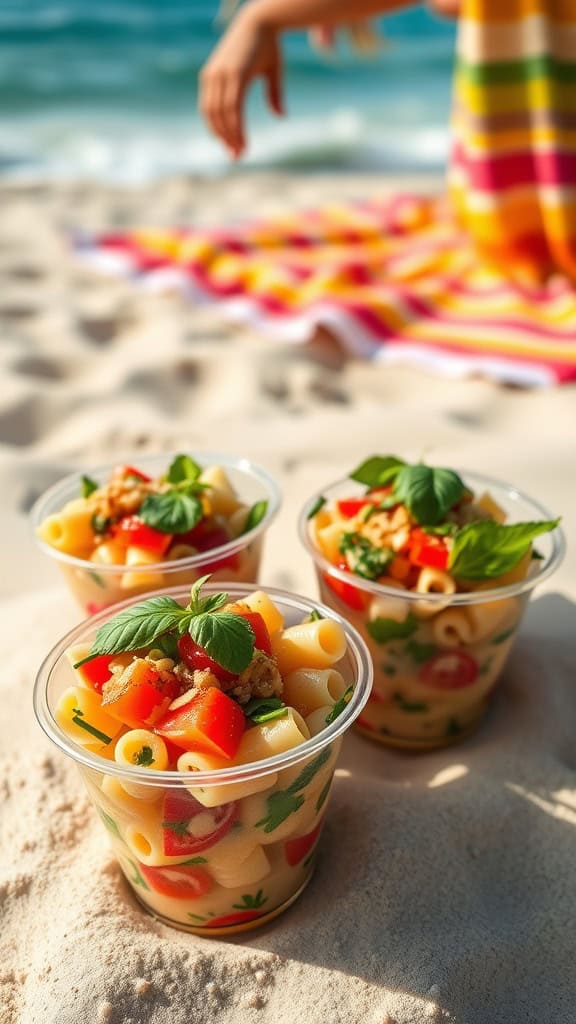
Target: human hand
x,y
247,51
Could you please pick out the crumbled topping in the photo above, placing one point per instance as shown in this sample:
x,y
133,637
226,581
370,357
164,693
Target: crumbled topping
x,y
260,679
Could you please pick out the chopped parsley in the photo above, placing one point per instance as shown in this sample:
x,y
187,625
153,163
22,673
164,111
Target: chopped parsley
x,y
144,757
362,557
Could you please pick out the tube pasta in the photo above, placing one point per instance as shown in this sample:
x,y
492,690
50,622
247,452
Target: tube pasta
x,y
108,553
261,603
123,802
432,581
214,796
70,532
238,519
452,628
221,495
328,538
307,689
318,644
491,617
396,608
316,720
134,580
126,752
491,507
230,874
79,704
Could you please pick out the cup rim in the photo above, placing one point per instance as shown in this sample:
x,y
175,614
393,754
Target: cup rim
x,y
237,773
38,514
544,570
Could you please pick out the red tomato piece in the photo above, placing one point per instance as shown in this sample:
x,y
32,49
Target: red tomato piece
x,y
205,536
352,596
296,850
92,608
259,628
248,910
450,670
183,881
428,551
139,697
132,531
350,507
97,672
189,827
124,471
195,657
211,723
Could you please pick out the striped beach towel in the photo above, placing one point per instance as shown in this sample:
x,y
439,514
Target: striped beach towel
x,y
480,281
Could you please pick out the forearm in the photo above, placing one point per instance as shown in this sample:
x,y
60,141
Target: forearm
x,y
293,14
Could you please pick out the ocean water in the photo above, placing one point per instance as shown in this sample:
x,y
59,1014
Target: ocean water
x,y
108,90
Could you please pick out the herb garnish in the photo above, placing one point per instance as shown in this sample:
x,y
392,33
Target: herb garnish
x,y
183,469
87,486
227,638
174,511
255,516
378,470
315,616
264,709
428,493
144,757
339,706
362,557
315,508
78,719
284,802
100,524
486,549
385,630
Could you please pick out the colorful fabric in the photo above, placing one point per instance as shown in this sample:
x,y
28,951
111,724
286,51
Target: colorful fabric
x,y
482,282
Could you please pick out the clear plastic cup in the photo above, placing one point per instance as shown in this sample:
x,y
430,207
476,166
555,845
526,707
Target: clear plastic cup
x,y
257,825
96,586
437,657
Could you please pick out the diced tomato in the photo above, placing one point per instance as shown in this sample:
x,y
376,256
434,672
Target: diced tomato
x,y
97,672
428,551
92,608
450,670
183,881
132,531
124,471
352,596
211,723
138,697
259,628
297,849
195,657
189,827
350,507
205,536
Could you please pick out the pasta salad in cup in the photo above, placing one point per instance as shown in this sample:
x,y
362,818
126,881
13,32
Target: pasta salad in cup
x,y
124,529
434,569
207,727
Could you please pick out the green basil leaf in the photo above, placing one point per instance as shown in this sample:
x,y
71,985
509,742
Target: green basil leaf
x,y
228,639
378,470
314,616
255,515
316,506
384,630
485,550
144,757
183,469
87,486
421,652
428,493
213,603
172,512
137,627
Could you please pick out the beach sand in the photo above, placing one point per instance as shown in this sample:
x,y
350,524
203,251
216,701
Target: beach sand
x,y
447,882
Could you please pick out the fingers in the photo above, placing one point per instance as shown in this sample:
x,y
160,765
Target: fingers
x,y
221,101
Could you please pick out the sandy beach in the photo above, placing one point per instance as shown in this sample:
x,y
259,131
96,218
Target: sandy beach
x,y
454,900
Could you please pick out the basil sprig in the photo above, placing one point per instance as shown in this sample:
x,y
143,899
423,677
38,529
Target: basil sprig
x,y
340,706
485,549
228,639
171,512
428,493
316,506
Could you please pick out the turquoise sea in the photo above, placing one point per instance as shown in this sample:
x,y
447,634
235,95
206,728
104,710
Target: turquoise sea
x,y
107,90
